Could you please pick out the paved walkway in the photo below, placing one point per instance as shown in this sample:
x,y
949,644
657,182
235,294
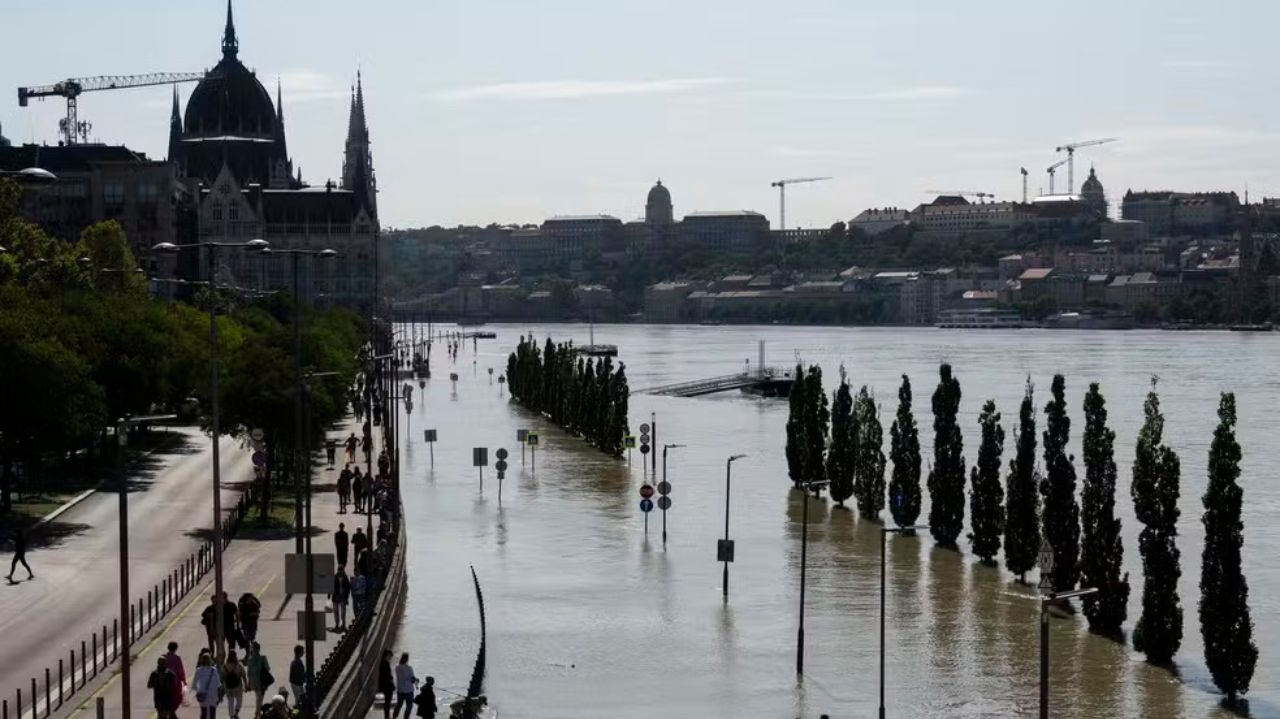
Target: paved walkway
x,y
250,565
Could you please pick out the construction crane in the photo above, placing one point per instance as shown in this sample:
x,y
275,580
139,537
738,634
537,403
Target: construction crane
x,y
1071,148
982,196
1053,169
1024,184
74,130
782,195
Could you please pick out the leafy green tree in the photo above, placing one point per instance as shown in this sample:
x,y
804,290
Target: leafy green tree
x,y
817,421
869,456
946,477
1156,476
1061,515
1022,512
111,265
1225,624
1102,550
904,437
797,406
986,494
840,460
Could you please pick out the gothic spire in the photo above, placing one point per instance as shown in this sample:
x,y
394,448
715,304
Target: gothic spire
x,y
279,105
175,128
230,45
357,162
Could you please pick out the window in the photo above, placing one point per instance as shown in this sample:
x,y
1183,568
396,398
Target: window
x,y
148,191
113,193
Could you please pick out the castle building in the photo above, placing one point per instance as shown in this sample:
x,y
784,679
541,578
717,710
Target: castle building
x,y
1094,196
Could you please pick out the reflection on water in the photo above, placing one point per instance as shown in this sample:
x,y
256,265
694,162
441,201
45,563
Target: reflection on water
x,y
590,617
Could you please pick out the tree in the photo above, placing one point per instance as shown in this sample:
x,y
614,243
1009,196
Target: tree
x,y
986,494
904,447
1022,513
1156,474
1102,548
869,456
841,458
795,428
946,478
1061,515
817,419
1225,624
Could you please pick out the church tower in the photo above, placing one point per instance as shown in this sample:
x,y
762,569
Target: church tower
x,y
357,162
1094,195
175,129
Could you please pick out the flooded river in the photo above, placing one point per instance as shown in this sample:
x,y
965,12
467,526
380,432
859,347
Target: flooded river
x,y
590,617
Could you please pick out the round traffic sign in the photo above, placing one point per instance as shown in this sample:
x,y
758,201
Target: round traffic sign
x,y
500,465
646,490
644,449
646,505
257,434
501,453
664,488
644,428
664,503
259,459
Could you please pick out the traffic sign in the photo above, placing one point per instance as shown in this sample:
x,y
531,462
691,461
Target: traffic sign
x,y
644,428
629,442
501,453
257,434
429,435
532,439
408,405
1046,566
453,376
724,550
664,503
646,506
490,371
480,457
259,459
664,488
500,465
644,449
521,435
646,490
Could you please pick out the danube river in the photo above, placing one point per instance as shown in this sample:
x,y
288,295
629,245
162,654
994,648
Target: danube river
x,y
590,617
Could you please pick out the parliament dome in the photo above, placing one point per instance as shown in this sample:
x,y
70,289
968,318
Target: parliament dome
x,y
230,100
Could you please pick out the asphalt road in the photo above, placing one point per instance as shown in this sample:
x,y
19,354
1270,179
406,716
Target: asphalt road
x,y
77,567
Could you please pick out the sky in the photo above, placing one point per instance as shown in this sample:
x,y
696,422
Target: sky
x,y
516,110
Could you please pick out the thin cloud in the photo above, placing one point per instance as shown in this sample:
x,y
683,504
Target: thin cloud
x,y
901,94
578,89
1190,64
310,86
816,152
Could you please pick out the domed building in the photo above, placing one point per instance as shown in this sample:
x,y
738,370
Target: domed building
x,y
657,208
1094,196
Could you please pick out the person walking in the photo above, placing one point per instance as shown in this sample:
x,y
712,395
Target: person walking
x,y
234,679
341,594
352,443
162,683
230,627
405,683
341,542
298,674
359,590
331,451
344,489
259,676
173,663
426,700
250,612
20,555
367,446
357,488
208,687
359,541
386,683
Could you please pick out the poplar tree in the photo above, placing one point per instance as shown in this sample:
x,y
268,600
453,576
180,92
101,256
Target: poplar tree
x,y
1061,515
869,482
840,460
795,427
904,448
1225,623
986,494
1022,509
1156,475
1102,548
817,419
946,478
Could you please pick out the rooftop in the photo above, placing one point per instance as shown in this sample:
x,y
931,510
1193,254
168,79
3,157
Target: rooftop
x,y
1035,273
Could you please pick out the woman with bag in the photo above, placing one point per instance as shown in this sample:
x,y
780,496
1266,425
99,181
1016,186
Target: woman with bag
x,y
234,679
260,677
208,687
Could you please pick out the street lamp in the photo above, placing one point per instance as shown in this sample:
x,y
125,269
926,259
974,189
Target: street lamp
x,y
726,546
884,534
215,431
665,447
309,609
1047,597
86,264
808,487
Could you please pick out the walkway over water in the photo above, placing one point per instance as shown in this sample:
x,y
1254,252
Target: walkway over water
x,y
771,382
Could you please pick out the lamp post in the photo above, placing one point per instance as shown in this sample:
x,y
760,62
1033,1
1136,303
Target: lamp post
x,y
300,455
727,554
804,561
884,534
1047,597
87,264
665,447
215,431
309,609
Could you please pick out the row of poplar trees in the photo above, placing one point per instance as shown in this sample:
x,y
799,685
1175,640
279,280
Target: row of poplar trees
x,y
585,397
838,442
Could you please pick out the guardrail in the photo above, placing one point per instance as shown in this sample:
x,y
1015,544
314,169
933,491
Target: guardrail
x,y
101,650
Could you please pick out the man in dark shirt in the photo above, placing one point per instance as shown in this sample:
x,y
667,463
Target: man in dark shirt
x,y
20,555
340,543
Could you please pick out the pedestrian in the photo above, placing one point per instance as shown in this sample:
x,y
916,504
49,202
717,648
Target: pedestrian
x,y
20,555
426,700
357,488
259,675
331,451
208,687
162,683
405,683
367,445
359,541
341,594
386,683
298,674
230,628
359,590
250,611
344,489
352,443
384,464
341,542
234,678
381,535
278,709
173,663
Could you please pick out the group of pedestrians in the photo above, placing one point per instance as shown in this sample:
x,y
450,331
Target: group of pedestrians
x,y
211,683
401,685
239,622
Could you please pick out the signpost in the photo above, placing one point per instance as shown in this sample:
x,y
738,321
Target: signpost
x,y
429,436
1046,592
501,466
522,438
480,458
646,504
629,442
532,440
644,449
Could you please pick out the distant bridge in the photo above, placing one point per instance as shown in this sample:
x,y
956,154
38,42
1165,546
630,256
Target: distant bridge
x,y
769,383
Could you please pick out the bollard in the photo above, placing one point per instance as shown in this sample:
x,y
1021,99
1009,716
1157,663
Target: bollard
x,y
105,654
146,618
95,654
33,696
46,691
115,638
71,665
102,708
19,703
84,678
59,683
4,709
